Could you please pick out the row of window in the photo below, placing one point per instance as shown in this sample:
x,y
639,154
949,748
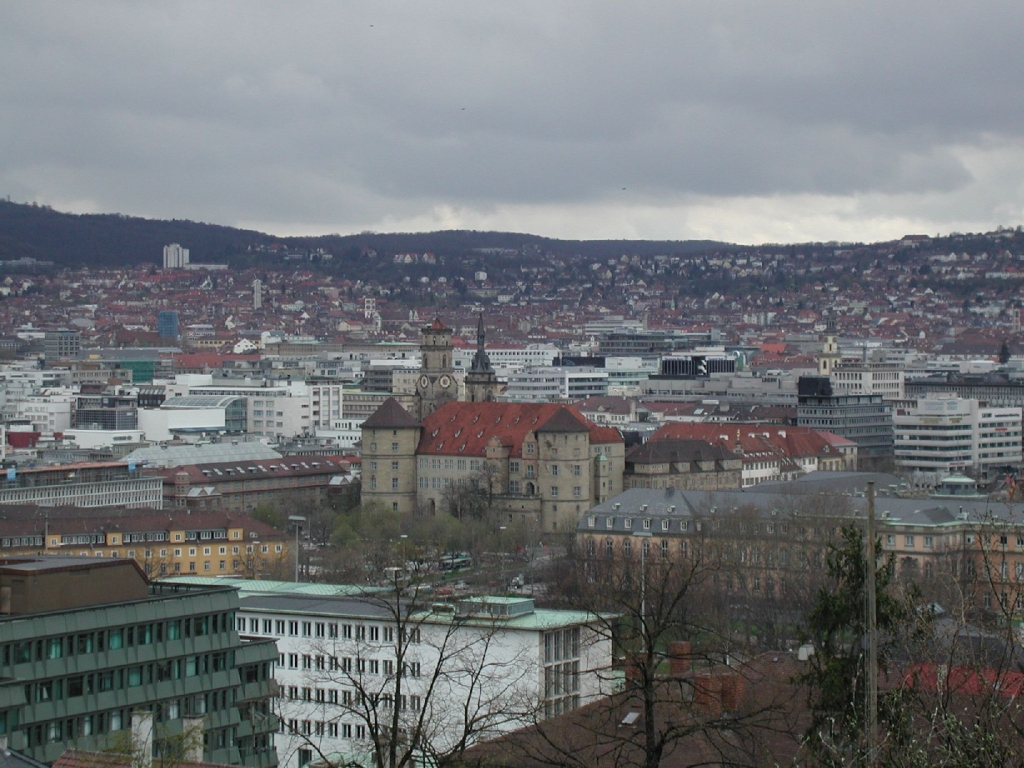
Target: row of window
x,y
347,665
684,526
373,633
27,651
76,686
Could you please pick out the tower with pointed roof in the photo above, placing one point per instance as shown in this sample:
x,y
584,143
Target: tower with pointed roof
x,y
481,381
436,384
389,440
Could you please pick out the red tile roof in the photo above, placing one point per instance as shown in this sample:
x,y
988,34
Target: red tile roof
x,y
788,442
464,429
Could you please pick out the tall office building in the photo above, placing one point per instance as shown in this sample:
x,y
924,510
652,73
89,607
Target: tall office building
x,y
257,293
175,257
865,419
61,345
167,323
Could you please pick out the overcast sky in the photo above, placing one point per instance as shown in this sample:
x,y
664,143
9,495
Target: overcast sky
x,y
741,121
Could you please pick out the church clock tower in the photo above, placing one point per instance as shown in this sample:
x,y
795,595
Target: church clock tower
x,y
436,384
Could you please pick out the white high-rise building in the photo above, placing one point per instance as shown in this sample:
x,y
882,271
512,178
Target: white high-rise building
x,y
945,434
257,293
175,257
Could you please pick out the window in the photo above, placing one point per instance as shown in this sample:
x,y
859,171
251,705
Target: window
x,y
908,542
554,491
554,470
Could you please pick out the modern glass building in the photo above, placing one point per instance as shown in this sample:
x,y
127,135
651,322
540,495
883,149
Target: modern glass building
x,y
84,643
167,323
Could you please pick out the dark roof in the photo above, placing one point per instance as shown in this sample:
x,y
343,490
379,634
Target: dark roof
x,y
564,420
769,717
678,451
11,759
390,415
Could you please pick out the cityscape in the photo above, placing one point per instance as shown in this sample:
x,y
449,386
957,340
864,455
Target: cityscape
x,y
469,385
370,488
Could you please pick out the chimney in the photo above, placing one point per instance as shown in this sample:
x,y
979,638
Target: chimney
x,y
707,694
633,666
678,658
192,739
142,739
734,686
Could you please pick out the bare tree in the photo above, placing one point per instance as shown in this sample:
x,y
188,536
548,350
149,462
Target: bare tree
x,y
418,683
658,604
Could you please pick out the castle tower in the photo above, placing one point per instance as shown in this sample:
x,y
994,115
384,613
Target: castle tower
x,y
436,384
389,440
481,381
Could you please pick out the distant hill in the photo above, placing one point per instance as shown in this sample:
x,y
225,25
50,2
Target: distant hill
x,y
77,240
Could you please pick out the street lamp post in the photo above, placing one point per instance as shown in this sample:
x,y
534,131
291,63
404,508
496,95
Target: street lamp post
x,y
646,536
501,554
297,521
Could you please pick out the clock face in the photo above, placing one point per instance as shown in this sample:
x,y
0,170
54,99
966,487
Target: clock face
x,y
424,382
445,381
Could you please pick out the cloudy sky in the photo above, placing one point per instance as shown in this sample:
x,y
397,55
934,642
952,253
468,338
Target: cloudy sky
x,y
741,121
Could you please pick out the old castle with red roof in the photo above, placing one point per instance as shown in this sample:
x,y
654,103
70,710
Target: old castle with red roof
x,y
540,463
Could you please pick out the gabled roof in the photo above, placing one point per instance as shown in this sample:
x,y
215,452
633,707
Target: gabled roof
x,y
390,415
564,420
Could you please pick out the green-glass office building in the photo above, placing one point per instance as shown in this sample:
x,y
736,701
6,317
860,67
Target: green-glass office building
x,y
84,643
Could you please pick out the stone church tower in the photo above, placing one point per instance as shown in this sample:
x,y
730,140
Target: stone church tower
x,y
829,357
436,384
481,381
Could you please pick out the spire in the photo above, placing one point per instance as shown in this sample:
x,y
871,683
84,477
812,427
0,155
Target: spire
x,y
481,363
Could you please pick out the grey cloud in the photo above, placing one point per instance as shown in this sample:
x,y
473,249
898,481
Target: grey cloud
x,y
340,114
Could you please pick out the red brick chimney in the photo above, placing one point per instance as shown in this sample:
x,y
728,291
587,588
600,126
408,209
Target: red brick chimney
x,y
707,694
678,658
734,687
